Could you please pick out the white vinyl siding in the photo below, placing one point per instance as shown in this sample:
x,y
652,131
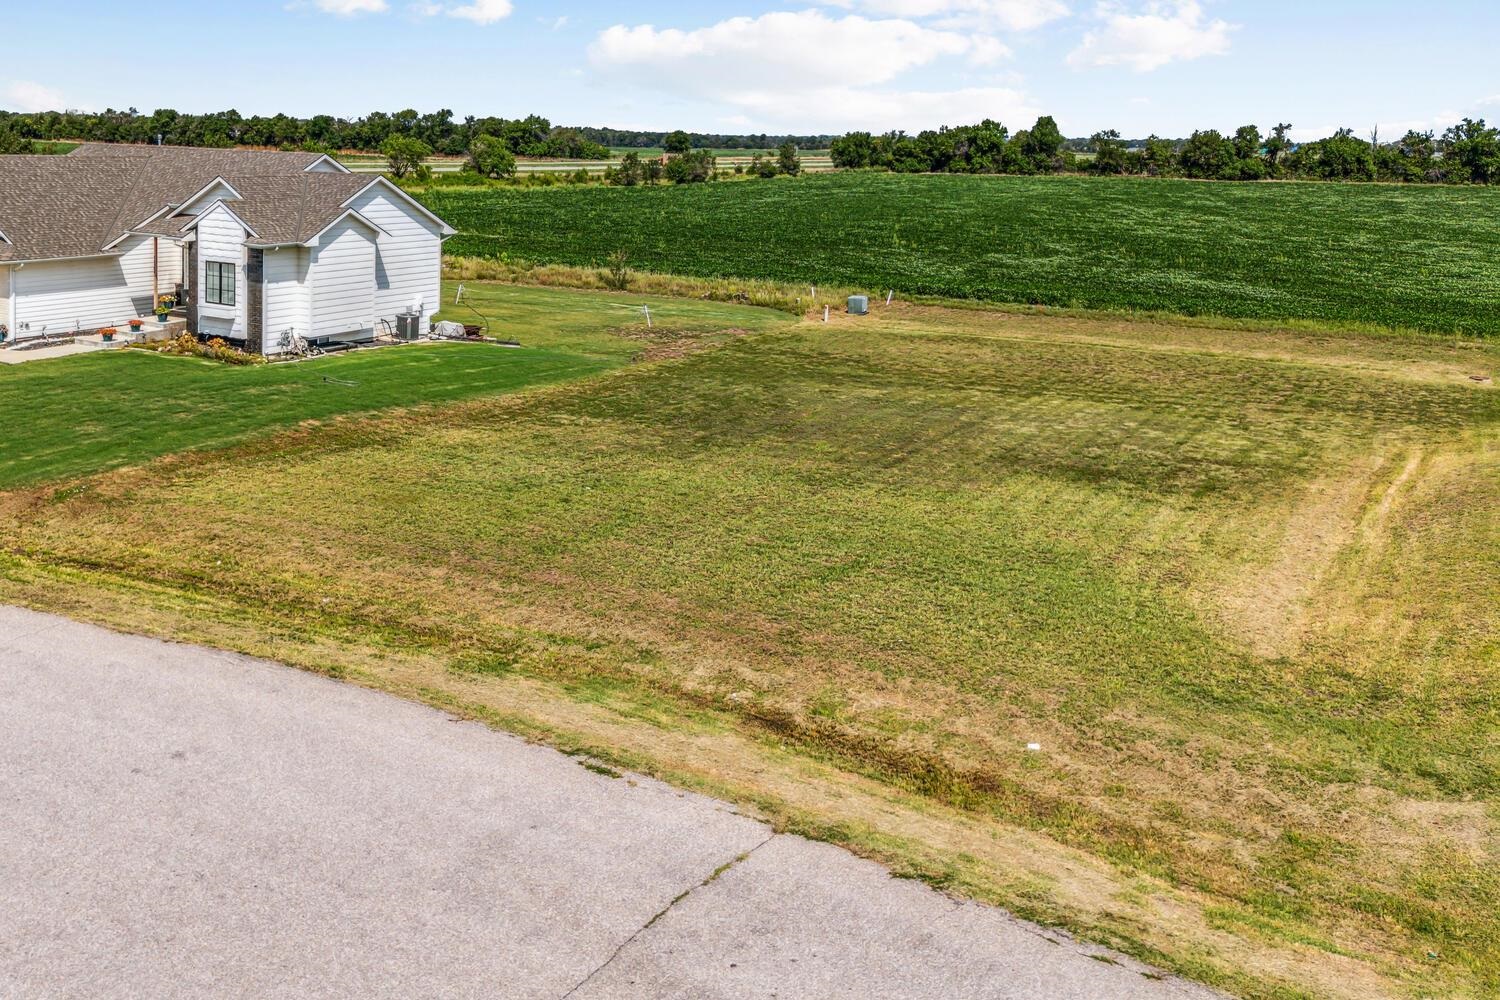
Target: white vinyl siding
x,y
340,276
287,299
220,239
67,295
409,255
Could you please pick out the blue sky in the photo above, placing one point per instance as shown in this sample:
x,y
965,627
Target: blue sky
x,y
1142,66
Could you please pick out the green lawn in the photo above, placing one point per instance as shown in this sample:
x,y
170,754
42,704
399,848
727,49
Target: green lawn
x,y
1241,589
1420,257
88,413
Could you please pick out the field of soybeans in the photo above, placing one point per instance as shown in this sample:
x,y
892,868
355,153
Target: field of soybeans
x,y
1414,258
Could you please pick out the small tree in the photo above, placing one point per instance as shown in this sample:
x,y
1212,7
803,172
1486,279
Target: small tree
x,y
1278,145
691,168
1206,154
13,142
1159,158
1414,158
1341,157
630,172
1247,143
762,167
405,155
1109,153
489,156
787,159
1042,144
853,151
1474,150
616,276
678,143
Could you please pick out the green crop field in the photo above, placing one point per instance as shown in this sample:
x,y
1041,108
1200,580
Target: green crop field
x,y
1424,258
1240,588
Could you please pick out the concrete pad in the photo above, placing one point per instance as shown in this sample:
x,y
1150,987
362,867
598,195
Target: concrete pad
x,y
12,356
797,919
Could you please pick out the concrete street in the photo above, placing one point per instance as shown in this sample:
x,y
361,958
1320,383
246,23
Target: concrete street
x,y
182,822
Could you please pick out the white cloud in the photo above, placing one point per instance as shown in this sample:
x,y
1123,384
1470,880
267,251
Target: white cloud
x,y
809,71
801,49
1011,15
349,8
1162,32
27,96
482,11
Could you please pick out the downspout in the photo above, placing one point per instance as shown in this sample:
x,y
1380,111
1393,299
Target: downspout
x,y
155,271
15,301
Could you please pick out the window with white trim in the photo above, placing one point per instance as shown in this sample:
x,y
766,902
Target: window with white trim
x,y
218,283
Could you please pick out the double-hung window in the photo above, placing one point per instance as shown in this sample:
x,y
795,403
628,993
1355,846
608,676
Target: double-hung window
x,y
218,283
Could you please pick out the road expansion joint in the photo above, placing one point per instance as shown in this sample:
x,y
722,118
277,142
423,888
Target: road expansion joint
x,y
712,877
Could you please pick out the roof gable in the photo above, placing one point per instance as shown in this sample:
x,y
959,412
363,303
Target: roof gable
x,y
347,213
385,184
217,189
220,208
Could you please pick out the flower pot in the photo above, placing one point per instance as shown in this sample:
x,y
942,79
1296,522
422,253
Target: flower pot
x,y
108,337
161,317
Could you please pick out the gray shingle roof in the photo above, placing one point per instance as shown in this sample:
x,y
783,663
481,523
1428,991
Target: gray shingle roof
x,y
51,206
292,209
220,161
76,205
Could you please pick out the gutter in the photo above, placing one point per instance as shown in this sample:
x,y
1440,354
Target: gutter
x,y
49,260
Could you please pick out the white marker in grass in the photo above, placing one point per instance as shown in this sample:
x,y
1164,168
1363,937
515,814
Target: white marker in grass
x,y
825,314
460,296
647,311
890,295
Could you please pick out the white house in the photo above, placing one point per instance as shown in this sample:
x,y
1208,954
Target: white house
x,y
257,246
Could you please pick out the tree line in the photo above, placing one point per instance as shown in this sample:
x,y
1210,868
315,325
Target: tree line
x,y
438,130
632,139
1466,153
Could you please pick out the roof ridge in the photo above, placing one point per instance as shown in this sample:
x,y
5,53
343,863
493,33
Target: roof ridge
x,y
114,231
302,207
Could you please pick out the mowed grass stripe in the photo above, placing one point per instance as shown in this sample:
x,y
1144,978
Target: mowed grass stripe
x,y
83,414
1419,258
